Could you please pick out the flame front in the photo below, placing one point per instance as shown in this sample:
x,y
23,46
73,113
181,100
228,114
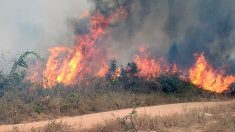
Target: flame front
x,y
204,75
67,65
148,67
151,67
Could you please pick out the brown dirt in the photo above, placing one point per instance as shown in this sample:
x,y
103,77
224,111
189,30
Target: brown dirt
x,y
89,120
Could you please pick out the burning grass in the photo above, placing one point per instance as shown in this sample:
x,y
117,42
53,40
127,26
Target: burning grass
x,y
88,57
204,75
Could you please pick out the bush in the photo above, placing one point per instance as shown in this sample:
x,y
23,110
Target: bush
x,y
170,83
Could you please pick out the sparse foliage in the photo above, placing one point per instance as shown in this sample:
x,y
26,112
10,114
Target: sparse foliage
x,y
127,122
16,76
21,61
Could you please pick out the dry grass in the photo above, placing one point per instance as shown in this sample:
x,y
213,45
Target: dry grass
x,y
50,127
54,127
216,119
24,107
28,102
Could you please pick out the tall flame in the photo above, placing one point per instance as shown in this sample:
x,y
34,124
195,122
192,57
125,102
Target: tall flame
x,y
204,75
66,65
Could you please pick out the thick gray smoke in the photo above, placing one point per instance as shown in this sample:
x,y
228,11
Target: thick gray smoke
x,y
213,33
175,29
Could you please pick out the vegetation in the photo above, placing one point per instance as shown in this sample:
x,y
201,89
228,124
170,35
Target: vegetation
x,y
16,75
216,119
21,101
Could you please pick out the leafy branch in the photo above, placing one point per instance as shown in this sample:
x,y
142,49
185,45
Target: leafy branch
x,y
21,61
15,76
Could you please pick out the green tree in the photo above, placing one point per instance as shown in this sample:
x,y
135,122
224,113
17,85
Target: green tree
x,y
112,69
133,68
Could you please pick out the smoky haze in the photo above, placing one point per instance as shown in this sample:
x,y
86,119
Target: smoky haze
x,y
175,29
35,25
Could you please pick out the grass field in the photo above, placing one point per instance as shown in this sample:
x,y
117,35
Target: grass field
x,y
26,105
219,118
216,119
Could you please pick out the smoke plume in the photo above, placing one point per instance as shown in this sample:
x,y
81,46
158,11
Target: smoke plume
x,y
175,29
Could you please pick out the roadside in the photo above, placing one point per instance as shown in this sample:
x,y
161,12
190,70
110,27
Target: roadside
x,y
90,120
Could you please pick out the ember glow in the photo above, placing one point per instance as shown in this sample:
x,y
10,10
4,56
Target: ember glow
x,y
204,75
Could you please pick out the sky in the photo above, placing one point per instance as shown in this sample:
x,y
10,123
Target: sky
x,y
35,24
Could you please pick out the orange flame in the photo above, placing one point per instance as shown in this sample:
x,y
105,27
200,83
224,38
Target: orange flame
x,y
151,67
34,75
103,71
204,75
62,70
148,67
117,73
174,68
66,65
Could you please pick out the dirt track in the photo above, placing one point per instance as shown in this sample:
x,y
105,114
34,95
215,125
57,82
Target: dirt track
x,y
87,121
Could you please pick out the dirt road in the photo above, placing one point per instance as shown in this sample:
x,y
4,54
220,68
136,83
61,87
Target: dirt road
x,y
89,120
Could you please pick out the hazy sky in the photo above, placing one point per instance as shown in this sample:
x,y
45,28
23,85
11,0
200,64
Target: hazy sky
x,y
35,24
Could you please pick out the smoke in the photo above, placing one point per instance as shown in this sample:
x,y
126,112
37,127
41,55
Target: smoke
x,y
141,28
175,29
212,34
35,25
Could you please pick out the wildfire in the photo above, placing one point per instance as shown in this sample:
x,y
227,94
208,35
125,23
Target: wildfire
x,y
117,73
35,77
204,75
103,71
66,65
174,68
148,67
151,67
